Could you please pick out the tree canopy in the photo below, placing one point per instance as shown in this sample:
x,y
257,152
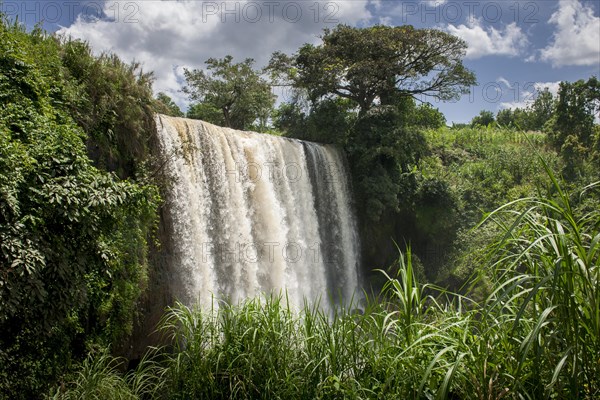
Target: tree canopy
x,y
483,119
531,118
572,129
166,105
235,89
374,65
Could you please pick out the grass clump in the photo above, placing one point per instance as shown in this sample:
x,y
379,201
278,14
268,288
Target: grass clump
x,y
101,376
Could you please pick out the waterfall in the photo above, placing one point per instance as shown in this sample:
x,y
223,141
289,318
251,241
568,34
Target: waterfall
x,y
253,214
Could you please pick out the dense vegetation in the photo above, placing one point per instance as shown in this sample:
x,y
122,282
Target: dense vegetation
x,y
516,310
73,230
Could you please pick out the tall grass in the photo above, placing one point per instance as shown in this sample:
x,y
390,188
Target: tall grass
x,y
547,282
536,335
260,349
100,377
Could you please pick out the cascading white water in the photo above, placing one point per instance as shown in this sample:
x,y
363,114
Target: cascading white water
x,y
252,214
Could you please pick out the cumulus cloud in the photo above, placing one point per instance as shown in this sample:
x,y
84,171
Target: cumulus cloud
x,y
526,92
168,36
576,40
485,41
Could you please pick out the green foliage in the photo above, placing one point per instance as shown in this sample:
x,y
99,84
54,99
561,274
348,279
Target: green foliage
x,y
112,101
487,166
236,90
478,170
206,112
377,63
382,154
425,116
546,276
165,105
72,237
572,129
485,118
328,121
100,377
531,118
436,209
506,118
541,110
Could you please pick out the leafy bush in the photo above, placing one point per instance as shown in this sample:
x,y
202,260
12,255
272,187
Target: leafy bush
x,y
72,237
113,103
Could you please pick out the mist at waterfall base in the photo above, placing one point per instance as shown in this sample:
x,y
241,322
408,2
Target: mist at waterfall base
x,y
254,214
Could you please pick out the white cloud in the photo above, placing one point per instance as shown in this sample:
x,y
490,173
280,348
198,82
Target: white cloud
x,y
576,40
377,4
552,87
531,58
386,21
435,3
511,105
527,92
167,36
504,81
484,41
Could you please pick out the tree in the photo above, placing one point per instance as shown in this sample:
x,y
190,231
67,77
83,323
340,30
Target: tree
x,y
166,105
373,65
522,119
505,117
327,121
426,116
206,112
236,90
483,119
531,118
541,110
572,130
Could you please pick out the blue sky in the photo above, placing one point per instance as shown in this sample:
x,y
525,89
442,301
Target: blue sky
x,y
515,47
